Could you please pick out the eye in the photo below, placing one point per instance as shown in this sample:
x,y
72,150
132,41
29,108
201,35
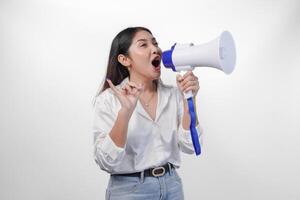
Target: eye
x,y
143,45
155,43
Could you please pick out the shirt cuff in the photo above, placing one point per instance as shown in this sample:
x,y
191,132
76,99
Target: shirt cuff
x,y
109,148
185,135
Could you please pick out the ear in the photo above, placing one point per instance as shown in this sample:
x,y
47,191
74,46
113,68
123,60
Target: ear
x,y
124,60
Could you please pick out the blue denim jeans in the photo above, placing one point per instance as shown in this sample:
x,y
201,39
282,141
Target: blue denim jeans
x,y
166,187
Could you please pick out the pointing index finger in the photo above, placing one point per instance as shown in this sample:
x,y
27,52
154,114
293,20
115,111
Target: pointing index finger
x,y
112,86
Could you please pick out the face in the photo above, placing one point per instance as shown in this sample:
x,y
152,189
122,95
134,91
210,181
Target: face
x,y
144,56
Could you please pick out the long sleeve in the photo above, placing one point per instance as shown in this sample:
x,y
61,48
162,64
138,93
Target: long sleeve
x,y
184,136
107,155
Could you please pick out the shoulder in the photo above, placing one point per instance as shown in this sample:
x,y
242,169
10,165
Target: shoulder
x,y
166,87
106,100
170,89
104,96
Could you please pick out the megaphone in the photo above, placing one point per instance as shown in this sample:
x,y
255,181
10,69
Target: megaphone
x,y
218,53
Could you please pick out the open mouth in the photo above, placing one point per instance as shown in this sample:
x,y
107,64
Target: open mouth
x,y
156,61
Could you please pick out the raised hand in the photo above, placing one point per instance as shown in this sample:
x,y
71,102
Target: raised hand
x,y
128,95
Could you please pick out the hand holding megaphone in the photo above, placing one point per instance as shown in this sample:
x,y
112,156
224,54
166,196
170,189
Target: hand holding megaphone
x,y
218,53
187,83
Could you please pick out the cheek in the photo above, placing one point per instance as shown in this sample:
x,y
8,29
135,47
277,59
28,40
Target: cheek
x,y
140,60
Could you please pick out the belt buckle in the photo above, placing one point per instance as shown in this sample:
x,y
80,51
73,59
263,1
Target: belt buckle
x,y
155,172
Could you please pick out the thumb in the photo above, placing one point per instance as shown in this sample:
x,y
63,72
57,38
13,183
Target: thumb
x,y
179,78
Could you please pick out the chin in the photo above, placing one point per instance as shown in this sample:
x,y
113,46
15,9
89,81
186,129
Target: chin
x,y
156,77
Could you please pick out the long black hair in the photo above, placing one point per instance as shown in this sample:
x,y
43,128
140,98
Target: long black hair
x,y
116,72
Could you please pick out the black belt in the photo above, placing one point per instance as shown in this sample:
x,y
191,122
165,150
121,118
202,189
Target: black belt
x,y
154,172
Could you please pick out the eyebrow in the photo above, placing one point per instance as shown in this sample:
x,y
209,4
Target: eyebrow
x,y
152,39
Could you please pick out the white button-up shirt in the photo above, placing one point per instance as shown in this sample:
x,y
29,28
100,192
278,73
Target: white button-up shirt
x,y
150,143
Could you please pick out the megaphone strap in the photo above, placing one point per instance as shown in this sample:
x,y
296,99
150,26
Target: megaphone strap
x,y
194,134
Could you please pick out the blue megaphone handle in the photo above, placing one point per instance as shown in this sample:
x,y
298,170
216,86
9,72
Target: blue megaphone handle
x,y
193,129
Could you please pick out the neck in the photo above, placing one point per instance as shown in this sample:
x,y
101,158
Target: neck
x,y
149,85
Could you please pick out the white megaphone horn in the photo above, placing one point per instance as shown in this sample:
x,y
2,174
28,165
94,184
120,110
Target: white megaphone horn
x,y
219,53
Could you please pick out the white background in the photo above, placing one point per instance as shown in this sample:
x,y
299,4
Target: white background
x,y
53,57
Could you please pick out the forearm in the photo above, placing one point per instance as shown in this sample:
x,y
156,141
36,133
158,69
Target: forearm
x,y
119,131
186,119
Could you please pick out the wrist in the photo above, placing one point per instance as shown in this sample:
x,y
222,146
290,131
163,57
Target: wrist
x,y
186,106
125,113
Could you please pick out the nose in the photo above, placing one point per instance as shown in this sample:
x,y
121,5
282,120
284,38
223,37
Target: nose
x,y
156,50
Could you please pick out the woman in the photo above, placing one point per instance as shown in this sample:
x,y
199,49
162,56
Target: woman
x,y
141,124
